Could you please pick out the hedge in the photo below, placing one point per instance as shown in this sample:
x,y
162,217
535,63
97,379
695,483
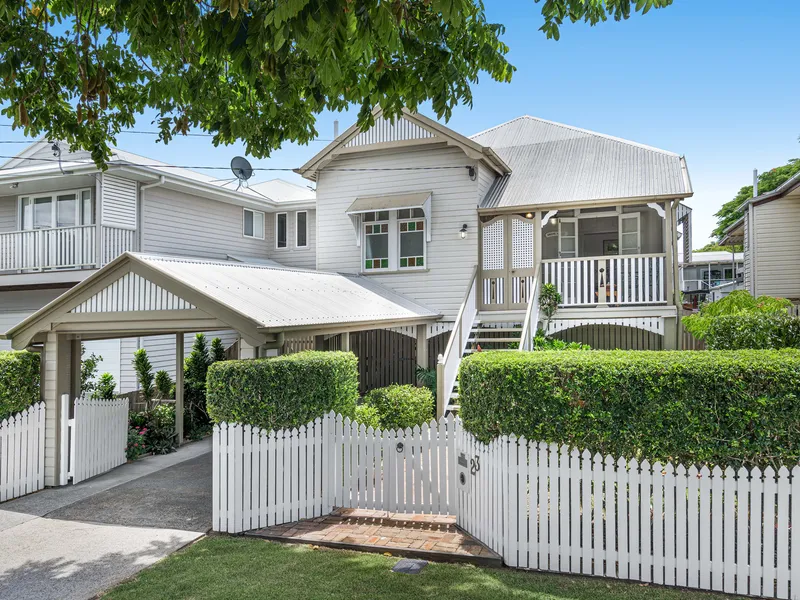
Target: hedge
x,y
401,406
286,391
19,381
718,407
756,331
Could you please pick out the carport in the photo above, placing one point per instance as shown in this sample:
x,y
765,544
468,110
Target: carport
x,y
143,295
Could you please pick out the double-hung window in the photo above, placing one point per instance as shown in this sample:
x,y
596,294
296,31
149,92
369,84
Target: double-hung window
x,y
376,240
411,225
301,229
253,225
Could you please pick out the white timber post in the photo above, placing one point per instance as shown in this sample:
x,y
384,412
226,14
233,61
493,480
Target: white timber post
x,y
98,221
179,386
345,341
63,427
422,347
669,249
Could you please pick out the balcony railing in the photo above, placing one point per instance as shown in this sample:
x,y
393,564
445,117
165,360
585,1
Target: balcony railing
x,y
63,247
617,280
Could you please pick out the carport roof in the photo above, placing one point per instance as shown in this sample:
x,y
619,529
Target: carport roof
x,y
137,291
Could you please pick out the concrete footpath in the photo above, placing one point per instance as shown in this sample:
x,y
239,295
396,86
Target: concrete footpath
x,y
77,541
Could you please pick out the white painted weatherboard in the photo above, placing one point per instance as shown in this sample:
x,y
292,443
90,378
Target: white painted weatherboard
x,y
777,247
132,292
119,201
450,259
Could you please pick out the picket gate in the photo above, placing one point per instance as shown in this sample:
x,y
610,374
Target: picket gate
x,y
539,506
94,439
22,453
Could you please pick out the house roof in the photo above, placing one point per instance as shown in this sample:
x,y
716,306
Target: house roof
x,y
783,189
552,163
704,258
252,298
441,133
27,164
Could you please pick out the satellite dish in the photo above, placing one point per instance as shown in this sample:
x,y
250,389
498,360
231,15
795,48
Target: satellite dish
x,y
242,169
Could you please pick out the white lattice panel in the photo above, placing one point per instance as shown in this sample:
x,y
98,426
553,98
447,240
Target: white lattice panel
x,y
493,254
521,244
651,324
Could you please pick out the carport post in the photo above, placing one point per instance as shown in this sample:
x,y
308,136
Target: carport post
x,y
179,387
422,347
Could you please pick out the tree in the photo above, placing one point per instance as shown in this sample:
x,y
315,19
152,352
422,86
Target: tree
x,y
144,374
88,371
257,70
217,350
767,181
715,247
104,389
195,371
164,384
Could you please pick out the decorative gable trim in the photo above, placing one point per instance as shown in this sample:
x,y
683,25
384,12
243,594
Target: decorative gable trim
x,y
132,292
385,131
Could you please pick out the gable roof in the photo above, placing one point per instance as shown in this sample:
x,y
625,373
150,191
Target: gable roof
x,y
782,190
426,130
554,163
254,299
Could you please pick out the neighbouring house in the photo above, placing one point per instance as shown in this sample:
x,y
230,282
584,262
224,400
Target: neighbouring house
x,y
711,276
429,245
768,233
61,219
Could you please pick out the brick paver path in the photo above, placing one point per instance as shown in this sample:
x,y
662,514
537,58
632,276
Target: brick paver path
x,y
378,531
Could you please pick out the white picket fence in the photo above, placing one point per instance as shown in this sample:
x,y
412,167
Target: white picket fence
x,y
264,478
22,453
94,439
553,509
538,506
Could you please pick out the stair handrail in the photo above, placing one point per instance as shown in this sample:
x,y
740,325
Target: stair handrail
x,y
531,322
447,363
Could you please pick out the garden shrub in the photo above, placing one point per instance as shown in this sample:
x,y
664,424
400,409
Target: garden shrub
x,y
135,447
739,302
401,406
286,391
753,330
19,381
721,407
104,389
368,416
157,428
165,387
542,342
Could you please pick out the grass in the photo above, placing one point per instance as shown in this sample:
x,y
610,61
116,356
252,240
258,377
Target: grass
x,y
234,567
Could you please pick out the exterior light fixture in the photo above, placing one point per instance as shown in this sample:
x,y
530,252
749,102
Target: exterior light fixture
x,y
528,215
472,173
15,185
463,231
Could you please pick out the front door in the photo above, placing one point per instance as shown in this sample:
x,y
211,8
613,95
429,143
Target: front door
x,y
507,264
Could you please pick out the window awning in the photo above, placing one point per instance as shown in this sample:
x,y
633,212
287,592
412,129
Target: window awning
x,y
393,202
390,202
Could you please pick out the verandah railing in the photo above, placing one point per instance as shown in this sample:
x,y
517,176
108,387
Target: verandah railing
x,y
63,247
626,279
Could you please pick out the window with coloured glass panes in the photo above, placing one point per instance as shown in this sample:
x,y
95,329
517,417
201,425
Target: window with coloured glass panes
x,y
411,228
375,226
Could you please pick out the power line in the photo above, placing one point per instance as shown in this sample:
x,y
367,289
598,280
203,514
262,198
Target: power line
x,y
215,167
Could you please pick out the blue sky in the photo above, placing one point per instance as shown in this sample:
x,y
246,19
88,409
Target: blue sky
x,y
709,79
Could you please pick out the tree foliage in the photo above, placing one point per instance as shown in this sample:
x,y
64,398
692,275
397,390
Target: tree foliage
x,y
256,71
767,181
737,303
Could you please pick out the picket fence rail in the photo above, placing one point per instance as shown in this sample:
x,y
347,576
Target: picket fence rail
x,y
22,453
94,439
539,506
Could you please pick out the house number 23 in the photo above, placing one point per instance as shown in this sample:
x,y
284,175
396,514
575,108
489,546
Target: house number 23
x,y
475,464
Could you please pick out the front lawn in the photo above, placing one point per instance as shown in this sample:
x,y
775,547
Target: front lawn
x,y
242,568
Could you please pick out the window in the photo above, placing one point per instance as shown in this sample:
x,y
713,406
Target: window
x,y
62,209
253,224
629,233
411,223
301,229
280,230
376,240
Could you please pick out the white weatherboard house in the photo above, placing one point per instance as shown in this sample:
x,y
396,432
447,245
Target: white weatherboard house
x,y
421,234
711,275
768,232
61,220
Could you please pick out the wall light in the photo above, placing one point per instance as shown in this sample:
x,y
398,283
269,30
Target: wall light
x,y
15,185
463,231
528,215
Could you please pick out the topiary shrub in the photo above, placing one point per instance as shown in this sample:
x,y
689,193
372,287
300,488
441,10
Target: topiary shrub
x,y
19,381
753,330
401,406
690,407
286,391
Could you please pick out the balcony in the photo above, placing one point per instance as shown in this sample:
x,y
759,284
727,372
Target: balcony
x,y
63,248
608,280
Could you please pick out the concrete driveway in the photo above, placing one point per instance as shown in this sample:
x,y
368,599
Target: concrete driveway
x,y
76,541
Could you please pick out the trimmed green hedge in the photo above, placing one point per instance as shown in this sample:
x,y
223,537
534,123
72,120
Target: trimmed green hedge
x,y
691,407
19,381
286,391
754,331
401,406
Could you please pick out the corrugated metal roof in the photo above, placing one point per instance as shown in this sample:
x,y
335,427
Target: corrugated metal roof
x,y
284,298
553,163
704,258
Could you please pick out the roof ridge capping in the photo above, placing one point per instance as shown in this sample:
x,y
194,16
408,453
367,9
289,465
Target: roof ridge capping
x,y
580,130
